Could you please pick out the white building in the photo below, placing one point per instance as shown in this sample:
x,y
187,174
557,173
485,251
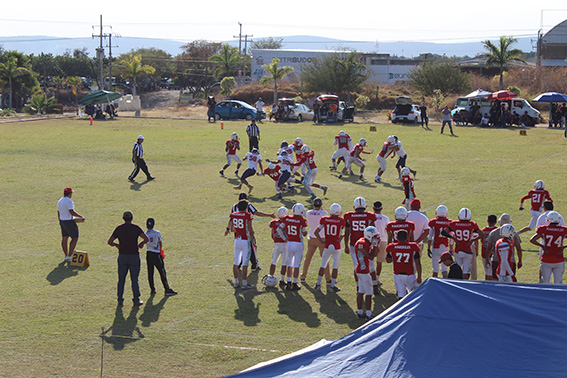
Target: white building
x,y
384,68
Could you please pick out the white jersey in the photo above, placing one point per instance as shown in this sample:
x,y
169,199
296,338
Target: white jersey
x,y
313,219
154,237
285,163
380,224
287,149
253,160
421,223
401,153
542,220
63,206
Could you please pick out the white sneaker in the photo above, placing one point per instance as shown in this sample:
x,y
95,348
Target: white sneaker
x,y
68,258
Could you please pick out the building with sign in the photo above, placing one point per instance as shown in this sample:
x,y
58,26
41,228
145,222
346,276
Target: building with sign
x,y
385,69
552,46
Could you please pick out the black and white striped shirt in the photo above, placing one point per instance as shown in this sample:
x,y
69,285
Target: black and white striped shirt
x,y
138,150
253,130
251,209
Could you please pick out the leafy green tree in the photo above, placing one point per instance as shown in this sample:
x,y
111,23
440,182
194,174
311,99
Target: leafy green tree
x,y
46,66
445,77
77,63
161,60
275,73
226,61
193,70
76,84
133,69
267,43
502,54
41,104
361,101
17,75
227,84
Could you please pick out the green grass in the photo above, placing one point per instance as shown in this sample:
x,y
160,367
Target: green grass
x,y
51,315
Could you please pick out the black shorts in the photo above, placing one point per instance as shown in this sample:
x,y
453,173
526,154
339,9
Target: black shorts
x,y
247,173
401,162
284,177
69,228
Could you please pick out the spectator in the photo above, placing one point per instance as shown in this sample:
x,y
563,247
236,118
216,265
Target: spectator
x,y
424,117
259,108
211,105
446,119
455,271
485,120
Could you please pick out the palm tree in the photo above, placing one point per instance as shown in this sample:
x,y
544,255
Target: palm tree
x,y
226,61
134,70
9,70
76,84
502,55
275,73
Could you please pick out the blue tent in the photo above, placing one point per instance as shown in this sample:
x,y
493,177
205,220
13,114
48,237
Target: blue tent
x,y
446,329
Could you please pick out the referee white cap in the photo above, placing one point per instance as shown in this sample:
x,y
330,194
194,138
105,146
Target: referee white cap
x,y
140,137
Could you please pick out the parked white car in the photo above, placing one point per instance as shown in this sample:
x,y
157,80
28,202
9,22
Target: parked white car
x,y
405,111
300,112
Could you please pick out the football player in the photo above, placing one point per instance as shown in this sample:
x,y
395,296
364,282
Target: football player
x,y
464,232
354,158
440,242
504,247
343,141
400,223
365,249
491,220
274,172
537,196
232,145
380,224
241,225
387,149
402,157
254,160
333,226
552,259
409,191
280,246
404,255
295,230
307,159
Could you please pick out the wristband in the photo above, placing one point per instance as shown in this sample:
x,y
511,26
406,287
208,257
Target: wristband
x,y
228,228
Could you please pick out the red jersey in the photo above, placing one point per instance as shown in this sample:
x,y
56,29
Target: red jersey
x,y
393,228
333,227
232,146
297,149
343,141
294,224
463,234
504,248
537,196
357,223
274,225
386,150
402,255
436,225
240,223
273,173
485,232
552,236
308,159
362,262
408,189
357,150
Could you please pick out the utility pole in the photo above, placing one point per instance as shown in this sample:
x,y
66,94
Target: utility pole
x,y
110,59
239,36
100,55
240,52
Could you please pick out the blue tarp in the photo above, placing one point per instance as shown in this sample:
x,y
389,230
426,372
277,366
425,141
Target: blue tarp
x,y
447,329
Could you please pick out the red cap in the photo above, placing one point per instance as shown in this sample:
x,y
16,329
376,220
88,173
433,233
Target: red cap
x,y
68,190
415,203
445,256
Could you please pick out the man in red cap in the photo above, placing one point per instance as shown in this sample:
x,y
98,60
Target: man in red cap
x,y
455,271
69,229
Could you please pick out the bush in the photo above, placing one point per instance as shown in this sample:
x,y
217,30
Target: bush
x,y
41,104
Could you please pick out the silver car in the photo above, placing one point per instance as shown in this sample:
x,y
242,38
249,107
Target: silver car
x,y
300,112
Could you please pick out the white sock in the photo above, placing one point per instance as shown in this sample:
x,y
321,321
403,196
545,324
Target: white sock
x,y
289,279
333,282
368,313
359,311
282,277
375,282
294,279
319,280
236,281
244,282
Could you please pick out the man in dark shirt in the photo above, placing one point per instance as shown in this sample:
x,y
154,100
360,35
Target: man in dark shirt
x,y
128,255
455,271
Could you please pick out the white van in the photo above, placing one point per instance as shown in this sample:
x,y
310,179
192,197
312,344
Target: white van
x,y
518,105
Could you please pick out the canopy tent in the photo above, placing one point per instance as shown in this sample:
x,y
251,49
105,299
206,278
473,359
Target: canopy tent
x,y
551,97
445,329
502,95
100,97
479,93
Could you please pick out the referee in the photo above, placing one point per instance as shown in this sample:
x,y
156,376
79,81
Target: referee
x,y
251,209
138,160
253,132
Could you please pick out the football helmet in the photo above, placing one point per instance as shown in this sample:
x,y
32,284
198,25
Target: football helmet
x,y
271,166
269,280
234,136
342,133
282,212
401,213
298,209
283,154
284,144
298,141
395,138
465,214
391,139
539,184
362,142
507,231
255,151
442,211
553,217
405,171
371,233
335,209
359,202
305,149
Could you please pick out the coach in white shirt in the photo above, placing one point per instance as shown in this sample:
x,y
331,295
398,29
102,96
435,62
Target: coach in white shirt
x,y
420,220
380,224
313,218
66,215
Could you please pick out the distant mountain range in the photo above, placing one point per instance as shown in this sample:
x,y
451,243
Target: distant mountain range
x,y
58,46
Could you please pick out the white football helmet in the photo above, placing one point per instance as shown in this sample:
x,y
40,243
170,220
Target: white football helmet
x,y
255,151
282,212
335,209
371,233
298,141
391,139
305,149
507,231
401,213
298,209
342,133
362,142
553,217
271,166
234,136
539,184
442,211
269,280
359,202
465,214
405,171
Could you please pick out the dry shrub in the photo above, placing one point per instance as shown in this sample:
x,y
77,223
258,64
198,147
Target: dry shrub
x,y
250,93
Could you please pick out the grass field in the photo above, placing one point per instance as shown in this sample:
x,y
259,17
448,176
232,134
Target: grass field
x,y
52,315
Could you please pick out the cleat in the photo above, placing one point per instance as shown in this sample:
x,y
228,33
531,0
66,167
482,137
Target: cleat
x,y
236,172
378,180
317,287
360,316
324,189
170,292
313,196
414,174
369,317
236,285
295,286
257,268
247,287
379,283
340,175
221,173
282,284
292,189
137,302
238,187
329,283
334,289
302,280
288,286
250,189
361,177
351,173
151,178
279,196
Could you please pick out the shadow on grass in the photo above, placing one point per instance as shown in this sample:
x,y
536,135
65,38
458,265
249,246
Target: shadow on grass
x,y
356,180
390,186
122,330
335,307
383,301
292,304
63,271
151,311
137,186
